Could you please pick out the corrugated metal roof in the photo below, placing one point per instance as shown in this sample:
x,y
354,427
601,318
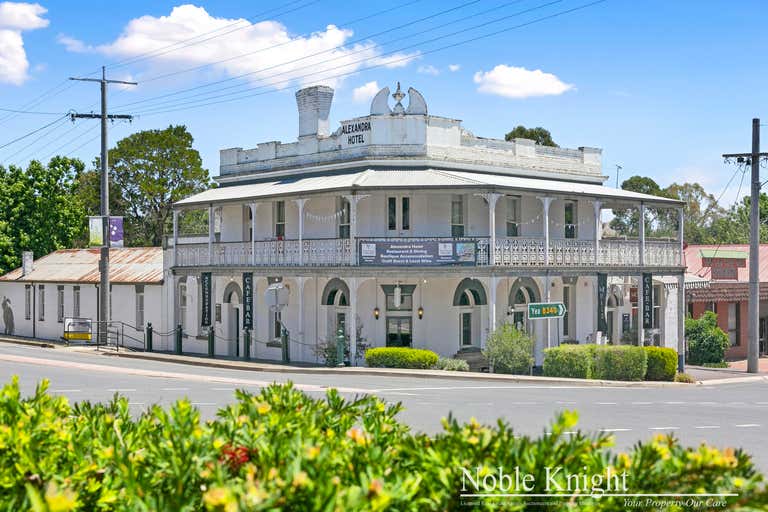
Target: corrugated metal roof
x,y
411,178
140,265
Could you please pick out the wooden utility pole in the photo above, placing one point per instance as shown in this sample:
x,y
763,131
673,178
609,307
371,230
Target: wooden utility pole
x,y
753,320
104,259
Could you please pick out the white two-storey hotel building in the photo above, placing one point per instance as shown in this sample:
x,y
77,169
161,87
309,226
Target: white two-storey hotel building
x,y
404,229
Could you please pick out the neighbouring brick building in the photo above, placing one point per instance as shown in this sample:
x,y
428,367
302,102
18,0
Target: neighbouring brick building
x,y
727,269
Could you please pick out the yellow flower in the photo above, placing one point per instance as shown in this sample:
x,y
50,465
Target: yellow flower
x,y
335,480
220,498
218,443
312,452
300,479
358,436
473,440
264,408
738,482
59,501
272,473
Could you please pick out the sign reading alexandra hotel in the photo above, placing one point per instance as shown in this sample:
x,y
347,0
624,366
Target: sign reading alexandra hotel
x,y
417,252
355,133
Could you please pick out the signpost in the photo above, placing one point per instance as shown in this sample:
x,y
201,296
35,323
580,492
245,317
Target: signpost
x,y
544,310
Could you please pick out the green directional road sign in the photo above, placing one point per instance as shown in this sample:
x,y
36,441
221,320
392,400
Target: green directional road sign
x,y
546,310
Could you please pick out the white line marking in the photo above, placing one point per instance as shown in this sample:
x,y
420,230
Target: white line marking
x,y
707,403
136,403
120,390
747,425
203,403
565,403
674,403
761,403
663,428
606,403
65,390
458,388
175,389
615,430
642,403
708,426
570,433
400,393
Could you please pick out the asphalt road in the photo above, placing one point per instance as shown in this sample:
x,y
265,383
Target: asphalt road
x,y
725,415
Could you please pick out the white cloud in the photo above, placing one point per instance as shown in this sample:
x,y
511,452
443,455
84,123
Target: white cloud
x,y
517,82
221,39
454,67
73,45
365,92
429,69
14,18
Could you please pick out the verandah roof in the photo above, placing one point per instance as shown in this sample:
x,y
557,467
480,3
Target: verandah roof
x,y
391,179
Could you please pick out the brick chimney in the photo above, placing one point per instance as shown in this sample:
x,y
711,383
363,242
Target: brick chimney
x,y
27,262
314,105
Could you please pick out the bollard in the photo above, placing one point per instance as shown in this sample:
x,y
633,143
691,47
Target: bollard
x,y
340,343
149,337
178,339
247,345
210,342
286,348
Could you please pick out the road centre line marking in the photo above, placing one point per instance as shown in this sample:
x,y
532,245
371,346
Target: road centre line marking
x,y
707,403
120,390
615,430
674,403
175,389
707,426
747,425
642,403
65,390
40,361
463,388
203,403
663,428
607,403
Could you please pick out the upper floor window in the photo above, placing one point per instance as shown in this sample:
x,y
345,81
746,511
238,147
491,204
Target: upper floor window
x,y
570,219
344,217
457,215
513,215
399,219
279,216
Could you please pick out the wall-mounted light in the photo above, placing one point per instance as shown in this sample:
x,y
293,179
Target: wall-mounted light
x,y
376,312
420,312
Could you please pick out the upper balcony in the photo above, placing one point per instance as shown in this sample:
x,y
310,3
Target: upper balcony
x,y
507,252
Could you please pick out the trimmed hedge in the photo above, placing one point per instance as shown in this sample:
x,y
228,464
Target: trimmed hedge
x,y
400,357
662,363
573,361
707,342
609,362
451,365
620,362
280,449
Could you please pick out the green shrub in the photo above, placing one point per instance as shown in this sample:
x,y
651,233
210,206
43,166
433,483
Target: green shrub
x,y
454,365
620,362
400,357
283,450
662,363
684,377
707,342
574,361
509,350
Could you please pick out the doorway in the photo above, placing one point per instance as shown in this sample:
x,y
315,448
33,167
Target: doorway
x,y
466,328
399,331
236,329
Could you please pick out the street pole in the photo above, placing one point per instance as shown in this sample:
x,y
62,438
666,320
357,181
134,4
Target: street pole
x,y
754,254
753,322
104,197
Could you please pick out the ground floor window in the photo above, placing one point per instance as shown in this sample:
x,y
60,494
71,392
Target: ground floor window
x,y
399,331
275,324
41,302
60,304
139,306
27,302
75,301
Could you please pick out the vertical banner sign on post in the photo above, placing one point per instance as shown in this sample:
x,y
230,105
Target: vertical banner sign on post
x,y
602,296
248,300
205,283
116,231
647,300
96,233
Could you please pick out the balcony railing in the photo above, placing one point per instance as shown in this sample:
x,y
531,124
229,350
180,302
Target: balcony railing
x,y
511,252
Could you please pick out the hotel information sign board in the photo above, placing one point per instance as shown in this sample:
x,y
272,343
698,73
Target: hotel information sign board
x,y
205,283
417,252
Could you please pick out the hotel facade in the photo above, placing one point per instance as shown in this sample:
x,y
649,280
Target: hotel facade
x,y
402,228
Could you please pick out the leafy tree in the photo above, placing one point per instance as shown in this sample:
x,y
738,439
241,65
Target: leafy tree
x,y
626,221
701,211
539,134
149,171
39,210
733,227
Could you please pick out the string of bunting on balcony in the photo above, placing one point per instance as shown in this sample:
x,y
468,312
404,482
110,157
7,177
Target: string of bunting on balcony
x,y
324,219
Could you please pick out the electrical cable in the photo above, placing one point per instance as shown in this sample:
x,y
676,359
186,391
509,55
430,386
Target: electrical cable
x,y
34,131
205,101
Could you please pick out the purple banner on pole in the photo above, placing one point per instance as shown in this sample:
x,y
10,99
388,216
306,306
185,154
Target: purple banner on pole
x,y
116,231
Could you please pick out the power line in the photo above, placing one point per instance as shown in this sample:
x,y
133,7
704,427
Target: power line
x,y
89,129
34,131
51,129
292,40
184,101
30,112
182,44
28,156
205,102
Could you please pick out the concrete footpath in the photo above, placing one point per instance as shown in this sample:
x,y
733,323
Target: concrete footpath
x,y
704,376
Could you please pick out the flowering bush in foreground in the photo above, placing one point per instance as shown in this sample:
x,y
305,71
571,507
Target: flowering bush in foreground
x,y
283,450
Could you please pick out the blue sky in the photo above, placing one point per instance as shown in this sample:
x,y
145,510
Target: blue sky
x,y
663,87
